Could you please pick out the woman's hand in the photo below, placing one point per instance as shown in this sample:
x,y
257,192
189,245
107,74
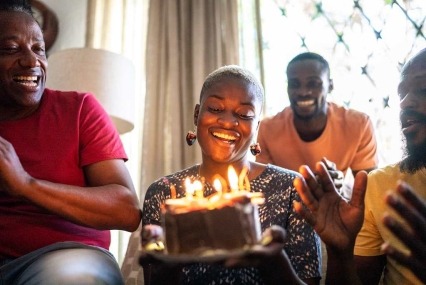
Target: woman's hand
x,y
157,272
152,237
270,258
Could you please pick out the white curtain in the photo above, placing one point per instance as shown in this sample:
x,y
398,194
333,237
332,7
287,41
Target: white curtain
x,y
120,27
186,40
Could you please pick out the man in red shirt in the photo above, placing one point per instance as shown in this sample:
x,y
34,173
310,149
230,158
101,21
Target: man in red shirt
x,y
63,181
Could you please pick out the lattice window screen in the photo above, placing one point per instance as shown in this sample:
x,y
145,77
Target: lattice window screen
x,y
366,42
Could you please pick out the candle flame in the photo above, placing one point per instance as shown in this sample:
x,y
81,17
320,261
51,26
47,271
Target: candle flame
x,y
233,179
189,188
235,189
217,185
198,189
243,179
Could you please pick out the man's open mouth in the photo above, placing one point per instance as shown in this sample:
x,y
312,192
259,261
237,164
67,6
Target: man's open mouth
x,y
31,81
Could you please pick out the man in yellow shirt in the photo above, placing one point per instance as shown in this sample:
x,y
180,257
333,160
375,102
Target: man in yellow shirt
x,y
392,240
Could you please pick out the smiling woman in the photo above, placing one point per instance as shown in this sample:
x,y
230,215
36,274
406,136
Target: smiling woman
x,y
227,119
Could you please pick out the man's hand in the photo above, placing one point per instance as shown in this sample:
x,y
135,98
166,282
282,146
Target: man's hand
x,y
336,221
335,174
12,175
413,210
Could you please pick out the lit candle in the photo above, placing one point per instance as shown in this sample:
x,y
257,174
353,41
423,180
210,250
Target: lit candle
x,y
243,179
233,179
172,191
217,185
198,189
189,189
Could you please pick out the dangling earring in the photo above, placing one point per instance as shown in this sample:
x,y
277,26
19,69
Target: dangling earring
x,y
255,149
191,137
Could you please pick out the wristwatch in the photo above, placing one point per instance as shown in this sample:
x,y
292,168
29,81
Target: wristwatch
x,y
48,21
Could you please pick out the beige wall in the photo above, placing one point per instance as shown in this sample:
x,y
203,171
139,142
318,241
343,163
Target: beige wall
x,y
72,22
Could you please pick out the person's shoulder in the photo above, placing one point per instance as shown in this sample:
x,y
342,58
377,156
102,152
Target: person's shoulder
x,y
379,182
60,95
348,115
388,171
281,171
278,182
277,118
177,176
340,109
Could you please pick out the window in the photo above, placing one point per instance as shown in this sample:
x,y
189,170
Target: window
x,y
366,43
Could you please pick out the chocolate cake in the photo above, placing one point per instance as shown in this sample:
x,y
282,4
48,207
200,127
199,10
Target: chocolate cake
x,y
197,227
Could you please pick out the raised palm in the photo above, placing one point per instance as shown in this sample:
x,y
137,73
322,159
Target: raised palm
x,y
335,220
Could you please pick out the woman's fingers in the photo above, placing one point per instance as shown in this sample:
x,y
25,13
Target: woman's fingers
x,y
151,233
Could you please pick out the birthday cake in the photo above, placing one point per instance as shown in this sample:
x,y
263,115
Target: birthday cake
x,y
223,222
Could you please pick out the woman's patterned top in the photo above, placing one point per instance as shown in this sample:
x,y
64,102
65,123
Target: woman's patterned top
x,y
302,245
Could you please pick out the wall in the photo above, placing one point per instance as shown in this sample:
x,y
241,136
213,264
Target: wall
x,y
72,23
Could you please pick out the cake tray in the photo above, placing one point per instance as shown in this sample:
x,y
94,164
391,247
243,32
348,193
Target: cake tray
x,y
208,256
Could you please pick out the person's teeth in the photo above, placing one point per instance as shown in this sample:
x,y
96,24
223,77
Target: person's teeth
x,y
305,103
224,136
26,78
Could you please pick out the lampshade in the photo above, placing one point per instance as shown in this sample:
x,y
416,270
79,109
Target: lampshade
x,y
109,76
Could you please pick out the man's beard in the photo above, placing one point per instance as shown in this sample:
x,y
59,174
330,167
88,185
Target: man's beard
x,y
414,157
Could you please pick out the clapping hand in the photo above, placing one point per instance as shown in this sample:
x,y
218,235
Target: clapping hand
x,y
335,174
413,210
336,221
13,177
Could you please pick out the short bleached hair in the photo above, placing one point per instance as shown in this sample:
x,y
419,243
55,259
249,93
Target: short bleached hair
x,y
233,72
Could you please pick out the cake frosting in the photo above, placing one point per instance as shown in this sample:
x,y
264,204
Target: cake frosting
x,y
204,225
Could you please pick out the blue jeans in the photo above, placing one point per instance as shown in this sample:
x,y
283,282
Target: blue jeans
x,y
62,263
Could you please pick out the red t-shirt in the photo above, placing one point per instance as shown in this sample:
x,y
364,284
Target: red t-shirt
x,y
68,131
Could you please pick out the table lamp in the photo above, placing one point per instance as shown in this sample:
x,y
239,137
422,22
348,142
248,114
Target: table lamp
x,y
109,76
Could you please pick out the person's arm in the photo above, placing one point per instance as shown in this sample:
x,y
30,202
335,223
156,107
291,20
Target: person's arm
x,y
109,203
412,209
336,221
370,268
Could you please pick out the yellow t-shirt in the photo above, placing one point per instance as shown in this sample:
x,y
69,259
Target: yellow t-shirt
x,y
373,232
